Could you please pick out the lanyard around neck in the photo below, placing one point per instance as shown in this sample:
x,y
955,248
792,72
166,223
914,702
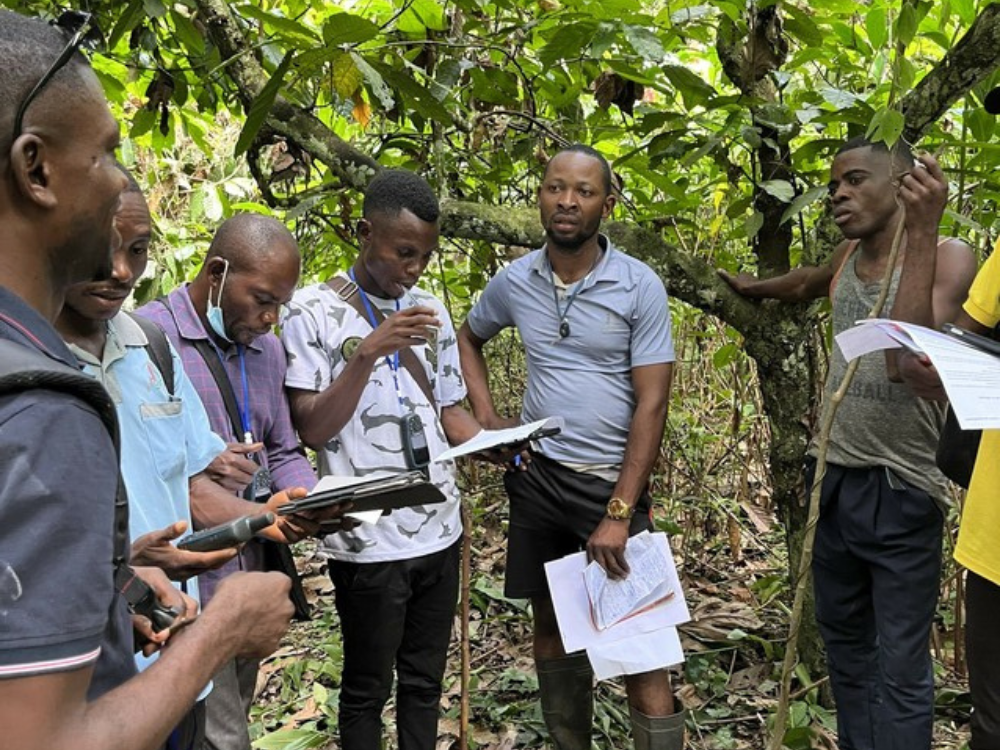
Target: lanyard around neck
x,y
392,361
562,312
244,407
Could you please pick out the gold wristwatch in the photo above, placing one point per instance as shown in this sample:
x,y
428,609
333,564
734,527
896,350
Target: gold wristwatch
x,y
619,510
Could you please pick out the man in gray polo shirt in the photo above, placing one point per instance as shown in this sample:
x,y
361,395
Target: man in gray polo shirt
x,y
596,330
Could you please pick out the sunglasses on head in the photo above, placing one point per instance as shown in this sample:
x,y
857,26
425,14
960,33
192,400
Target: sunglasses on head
x,y
83,33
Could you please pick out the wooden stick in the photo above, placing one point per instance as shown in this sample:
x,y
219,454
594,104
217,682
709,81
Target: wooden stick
x,y
805,562
463,725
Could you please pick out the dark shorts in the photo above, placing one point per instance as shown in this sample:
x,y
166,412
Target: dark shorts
x,y
553,511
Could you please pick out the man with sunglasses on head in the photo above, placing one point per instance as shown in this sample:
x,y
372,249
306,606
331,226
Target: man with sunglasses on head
x,y
67,676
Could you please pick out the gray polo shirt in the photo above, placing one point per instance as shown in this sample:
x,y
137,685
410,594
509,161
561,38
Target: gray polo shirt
x,y
619,320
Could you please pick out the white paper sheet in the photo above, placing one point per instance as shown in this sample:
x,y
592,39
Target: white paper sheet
x,y
646,584
572,605
487,439
331,482
640,653
867,337
970,377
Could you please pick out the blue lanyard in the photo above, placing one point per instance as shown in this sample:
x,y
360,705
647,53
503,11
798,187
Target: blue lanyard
x,y
392,361
244,408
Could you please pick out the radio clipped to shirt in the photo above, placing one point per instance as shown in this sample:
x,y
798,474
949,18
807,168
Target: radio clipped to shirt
x,y
415,450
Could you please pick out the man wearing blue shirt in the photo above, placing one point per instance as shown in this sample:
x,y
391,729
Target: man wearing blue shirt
x,y
596,330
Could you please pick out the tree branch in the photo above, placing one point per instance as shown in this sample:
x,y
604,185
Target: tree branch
x,y
353,167
974,57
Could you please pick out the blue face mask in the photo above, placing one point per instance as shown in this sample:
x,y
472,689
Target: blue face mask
x,y
213,311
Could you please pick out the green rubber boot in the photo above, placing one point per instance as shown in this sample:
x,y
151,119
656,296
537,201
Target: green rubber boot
x,y
566,686
657,732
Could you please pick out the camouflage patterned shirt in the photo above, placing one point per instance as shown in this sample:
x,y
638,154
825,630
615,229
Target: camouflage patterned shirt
x,y
320,333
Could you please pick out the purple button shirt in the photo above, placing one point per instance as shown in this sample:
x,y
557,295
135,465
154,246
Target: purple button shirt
x,y
270,420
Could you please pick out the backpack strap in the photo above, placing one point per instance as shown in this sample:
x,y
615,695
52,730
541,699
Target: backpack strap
x,y
25,369
158,348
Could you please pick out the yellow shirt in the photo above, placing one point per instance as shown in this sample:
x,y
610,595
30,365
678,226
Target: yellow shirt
x,y
979,535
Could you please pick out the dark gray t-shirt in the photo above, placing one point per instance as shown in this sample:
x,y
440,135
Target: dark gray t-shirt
x,y
879,423
58,477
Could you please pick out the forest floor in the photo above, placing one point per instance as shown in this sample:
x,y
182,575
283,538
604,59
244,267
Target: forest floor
x,y
734,577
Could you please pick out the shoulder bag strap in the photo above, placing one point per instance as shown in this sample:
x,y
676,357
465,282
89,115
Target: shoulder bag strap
x,y
211,356
158,348
351,293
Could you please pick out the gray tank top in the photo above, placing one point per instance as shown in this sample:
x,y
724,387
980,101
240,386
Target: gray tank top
x,y
879,423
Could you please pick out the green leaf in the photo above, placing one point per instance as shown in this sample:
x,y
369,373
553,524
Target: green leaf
x,y
692,88
878,32
981,123
154,8
801,26
419,98
126,22
886,126
290,30
376,83
346,28
142,122
291,739
723,356
753,224
568,42
802,201
966,10
906,25
780,189
187,33
494,86
421,16
645,43
261,106
345,75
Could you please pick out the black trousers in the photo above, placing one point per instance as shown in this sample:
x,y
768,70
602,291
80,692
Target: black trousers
x,y
876,569
982,646
394,614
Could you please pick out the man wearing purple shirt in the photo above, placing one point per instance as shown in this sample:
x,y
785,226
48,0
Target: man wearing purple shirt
x,y
250,271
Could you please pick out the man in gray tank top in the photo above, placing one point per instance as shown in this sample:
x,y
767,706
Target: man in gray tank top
x,y
877,555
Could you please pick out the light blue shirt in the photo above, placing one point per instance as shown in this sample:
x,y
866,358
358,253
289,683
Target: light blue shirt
x,y
165,439
619,320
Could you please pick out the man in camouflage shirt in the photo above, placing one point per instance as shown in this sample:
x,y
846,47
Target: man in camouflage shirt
x,y
351,390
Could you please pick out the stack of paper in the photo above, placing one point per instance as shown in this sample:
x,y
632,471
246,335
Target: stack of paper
x,y
970,377
646,586
637,616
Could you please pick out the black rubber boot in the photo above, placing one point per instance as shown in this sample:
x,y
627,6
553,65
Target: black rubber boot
x,y
657,732
566,686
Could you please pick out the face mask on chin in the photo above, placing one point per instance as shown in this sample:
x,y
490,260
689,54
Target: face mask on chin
x,y
213,311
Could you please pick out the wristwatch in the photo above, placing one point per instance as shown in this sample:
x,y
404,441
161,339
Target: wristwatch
x,y
619,510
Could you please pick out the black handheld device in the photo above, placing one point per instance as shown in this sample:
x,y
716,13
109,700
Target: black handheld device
x,y
226,534
982,343
142,599
415,448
